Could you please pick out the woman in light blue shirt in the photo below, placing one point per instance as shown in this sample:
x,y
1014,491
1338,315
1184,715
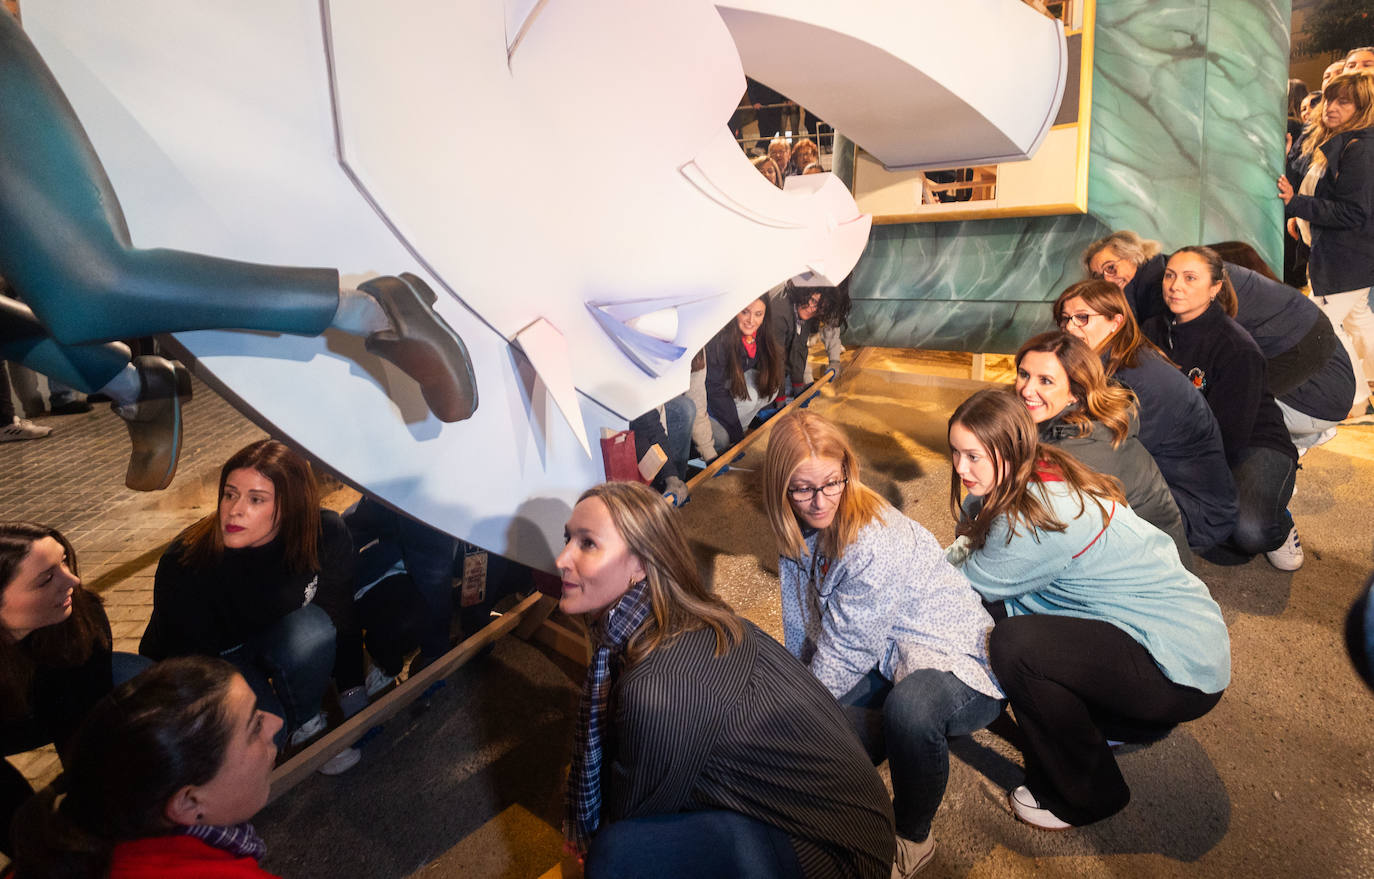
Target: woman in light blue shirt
x,y
1105,633
873,609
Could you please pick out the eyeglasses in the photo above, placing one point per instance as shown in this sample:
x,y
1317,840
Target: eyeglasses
x,y
1081,319
1108,270
830,489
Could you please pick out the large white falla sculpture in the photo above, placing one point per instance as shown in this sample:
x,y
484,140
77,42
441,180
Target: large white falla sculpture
x,y
561,172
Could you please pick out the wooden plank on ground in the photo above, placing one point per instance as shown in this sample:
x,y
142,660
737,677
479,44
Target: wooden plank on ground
x,y
299,767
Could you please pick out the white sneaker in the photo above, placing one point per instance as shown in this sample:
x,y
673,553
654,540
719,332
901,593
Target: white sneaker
x,y
22,429
308,730
377,681
341,762
1288,557
1027,808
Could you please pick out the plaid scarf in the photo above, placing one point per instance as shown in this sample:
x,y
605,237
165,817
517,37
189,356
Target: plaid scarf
x,y
611,635
241,840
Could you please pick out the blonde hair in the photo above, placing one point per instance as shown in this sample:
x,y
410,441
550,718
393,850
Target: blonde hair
x,y
1358,88
1002,425
1125,244
1098,400
679,598
794,438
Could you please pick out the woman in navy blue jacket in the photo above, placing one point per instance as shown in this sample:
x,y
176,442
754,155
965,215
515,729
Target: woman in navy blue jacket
x,y
1177,426
1304,364
1334,205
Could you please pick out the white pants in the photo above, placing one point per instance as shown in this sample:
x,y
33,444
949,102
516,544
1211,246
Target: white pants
x,y
1354,324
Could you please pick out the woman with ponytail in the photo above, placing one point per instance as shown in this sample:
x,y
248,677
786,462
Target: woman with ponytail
x,y
161,781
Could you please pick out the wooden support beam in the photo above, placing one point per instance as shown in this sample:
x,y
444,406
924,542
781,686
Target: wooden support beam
x,y
299,767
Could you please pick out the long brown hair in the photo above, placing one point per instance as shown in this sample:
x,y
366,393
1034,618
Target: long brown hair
x,y
770,358
67,644
679,598
1005,429
1098,400
1216,269
1238,253
297,500
1358,88
793,439
1124,347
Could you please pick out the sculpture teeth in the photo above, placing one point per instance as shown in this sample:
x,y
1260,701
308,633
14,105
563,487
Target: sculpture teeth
x,y
547,350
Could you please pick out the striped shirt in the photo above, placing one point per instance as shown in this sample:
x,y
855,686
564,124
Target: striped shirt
x,y
751,732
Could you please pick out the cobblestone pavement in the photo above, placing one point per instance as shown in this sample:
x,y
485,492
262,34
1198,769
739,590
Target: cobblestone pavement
x,y
73,480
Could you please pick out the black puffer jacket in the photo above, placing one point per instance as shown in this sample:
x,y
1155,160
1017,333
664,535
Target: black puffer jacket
x,y
1146,491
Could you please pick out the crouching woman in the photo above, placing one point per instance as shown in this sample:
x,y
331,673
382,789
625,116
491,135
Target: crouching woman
x,y
1106,634
702,747
162,779
872,607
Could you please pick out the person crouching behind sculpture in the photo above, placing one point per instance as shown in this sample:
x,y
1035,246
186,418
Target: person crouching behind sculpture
x,y
1102,631
872,607
702,747
163,777
265,582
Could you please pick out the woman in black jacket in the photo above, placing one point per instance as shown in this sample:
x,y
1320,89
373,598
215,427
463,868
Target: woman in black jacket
x,y
1334,205
1060,382
267,583
1223,361
1177,426
55,658
1304,363
744,372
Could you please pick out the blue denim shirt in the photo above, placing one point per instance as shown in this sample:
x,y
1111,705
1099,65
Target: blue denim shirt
x,y
890,602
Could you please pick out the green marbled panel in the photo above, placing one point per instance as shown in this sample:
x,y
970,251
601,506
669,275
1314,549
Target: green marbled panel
x,y
1245,126
1149,81
1187,103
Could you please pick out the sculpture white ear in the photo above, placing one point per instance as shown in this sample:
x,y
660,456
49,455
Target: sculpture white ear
x,y
547,350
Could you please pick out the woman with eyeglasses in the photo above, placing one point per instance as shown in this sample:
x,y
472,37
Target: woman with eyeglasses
x,y
1226,365
1101,632
1297,342
1061,383
1177,426
796,313
873,609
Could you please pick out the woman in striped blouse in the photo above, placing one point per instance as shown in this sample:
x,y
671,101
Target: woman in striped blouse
x,y
702,747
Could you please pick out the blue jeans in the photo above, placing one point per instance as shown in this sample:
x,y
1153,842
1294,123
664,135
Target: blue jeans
x,y
692,845
679,413
125,666
288,665
383,538
912,723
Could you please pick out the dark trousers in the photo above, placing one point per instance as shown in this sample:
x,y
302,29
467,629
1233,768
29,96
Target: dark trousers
x,y
1073,683
1264,485
692,845
910,724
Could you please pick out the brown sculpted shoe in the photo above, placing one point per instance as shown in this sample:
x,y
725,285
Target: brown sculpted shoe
x,y
154,423
423,346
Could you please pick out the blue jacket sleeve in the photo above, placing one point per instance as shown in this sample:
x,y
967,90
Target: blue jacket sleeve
x,y
1350,200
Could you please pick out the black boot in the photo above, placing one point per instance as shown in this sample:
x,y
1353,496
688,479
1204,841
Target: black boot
x,y
423,346
154,422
